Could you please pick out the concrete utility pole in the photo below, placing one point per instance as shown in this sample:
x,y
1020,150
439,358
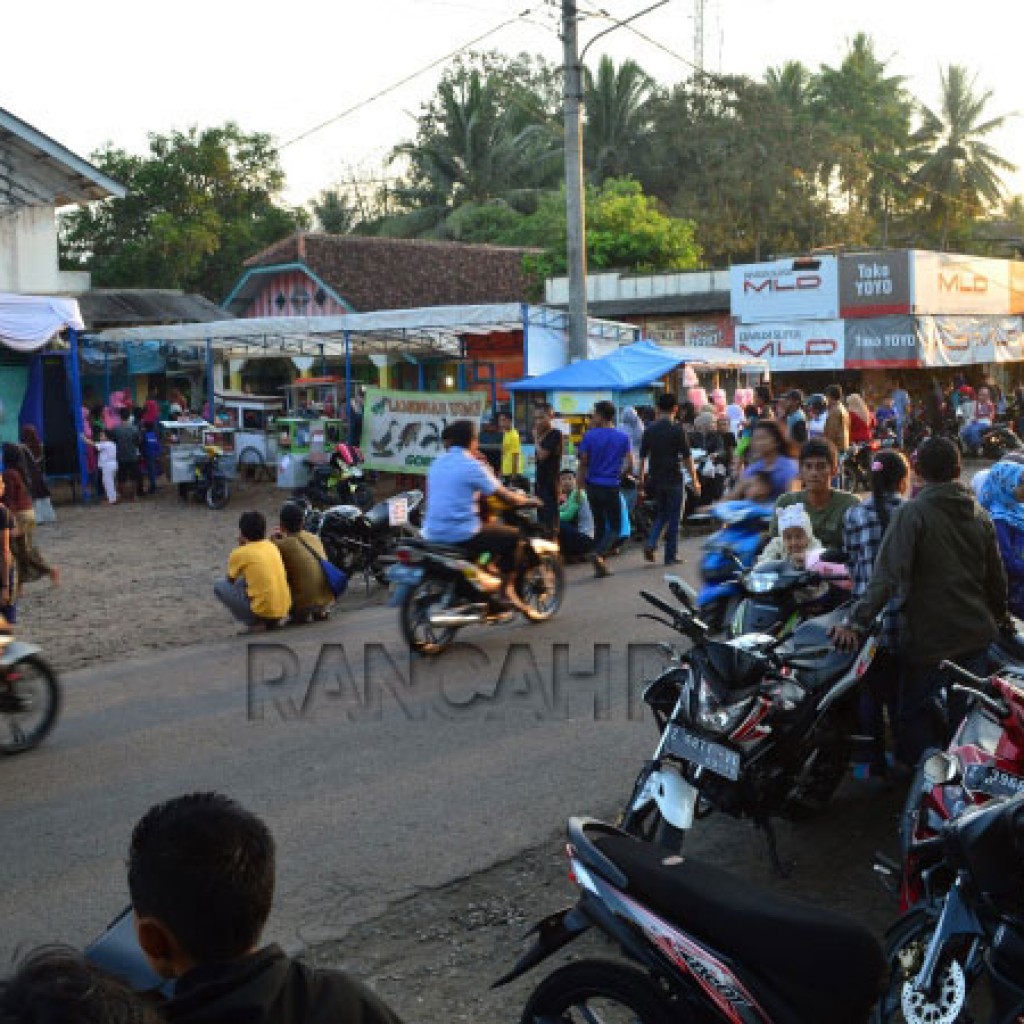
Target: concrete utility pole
x,y
576,252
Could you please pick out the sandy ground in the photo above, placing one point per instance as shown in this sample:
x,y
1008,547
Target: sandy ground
x,y
139,576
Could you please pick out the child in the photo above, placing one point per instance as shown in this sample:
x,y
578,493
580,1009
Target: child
x,y
757,487
106,452
796,542
151,454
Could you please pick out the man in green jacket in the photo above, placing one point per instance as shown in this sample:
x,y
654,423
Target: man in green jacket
x,y
940,555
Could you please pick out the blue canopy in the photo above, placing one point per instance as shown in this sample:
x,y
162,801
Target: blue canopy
x,y
631,366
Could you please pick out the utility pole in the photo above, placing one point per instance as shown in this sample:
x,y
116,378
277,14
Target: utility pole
x,y
576,253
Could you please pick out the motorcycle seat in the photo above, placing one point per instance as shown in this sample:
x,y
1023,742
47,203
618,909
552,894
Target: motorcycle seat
x,y
818,670
452,550
821,965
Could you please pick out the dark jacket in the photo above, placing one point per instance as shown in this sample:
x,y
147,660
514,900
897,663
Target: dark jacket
x,y
271,988
940,553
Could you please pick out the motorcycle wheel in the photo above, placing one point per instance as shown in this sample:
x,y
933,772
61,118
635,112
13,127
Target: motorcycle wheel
x,y
420,602
833,749
218,493
598,990
30,699
541,588
901,1003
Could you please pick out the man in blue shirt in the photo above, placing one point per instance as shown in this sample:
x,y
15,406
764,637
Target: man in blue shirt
x,y
603,454
455,482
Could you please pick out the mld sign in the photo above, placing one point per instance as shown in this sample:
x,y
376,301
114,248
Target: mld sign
x,y
805,289
808,345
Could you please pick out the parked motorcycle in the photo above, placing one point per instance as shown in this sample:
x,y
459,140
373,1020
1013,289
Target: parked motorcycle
x,y
967,929
339,481
702,945
30,696
855,465
441,588
996,442
359,542
209,482
754,726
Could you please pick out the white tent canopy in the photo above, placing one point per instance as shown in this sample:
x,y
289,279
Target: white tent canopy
x,y
28,322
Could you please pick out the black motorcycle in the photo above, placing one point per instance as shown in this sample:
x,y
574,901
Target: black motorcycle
x,y
30,696
209,481
335,482
755,727
996,442
364,542
701,945
968,929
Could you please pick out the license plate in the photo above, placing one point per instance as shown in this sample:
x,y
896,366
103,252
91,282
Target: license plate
x,y
405,574
715,757
985,778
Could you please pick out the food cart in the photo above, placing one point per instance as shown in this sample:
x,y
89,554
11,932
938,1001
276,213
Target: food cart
x,y
183,441
315,397
255,433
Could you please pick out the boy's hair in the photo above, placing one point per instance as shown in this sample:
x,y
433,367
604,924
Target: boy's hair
x,y
460,433
605,410
937,460
100,433
667,402
56,985
252,525
203,866
124,413
292,516
764,478
819,448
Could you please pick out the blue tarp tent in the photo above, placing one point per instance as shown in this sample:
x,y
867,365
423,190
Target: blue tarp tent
x,y
629,367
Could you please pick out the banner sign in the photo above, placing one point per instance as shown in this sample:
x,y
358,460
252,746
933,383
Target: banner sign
x,y
804,345
402,429
806,289
960,285
881,343
712,333
578,403
874,284
970,340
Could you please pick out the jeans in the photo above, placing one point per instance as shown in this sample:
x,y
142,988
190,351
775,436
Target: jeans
x,y
235,597
606,508
919,725
574,543
669,501
548,515
152,471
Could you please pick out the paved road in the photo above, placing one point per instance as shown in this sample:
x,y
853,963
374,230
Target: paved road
x,y
366,808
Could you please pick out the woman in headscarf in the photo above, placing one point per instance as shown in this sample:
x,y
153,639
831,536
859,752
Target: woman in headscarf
x,y
32,450
862,422
1001,496
31,564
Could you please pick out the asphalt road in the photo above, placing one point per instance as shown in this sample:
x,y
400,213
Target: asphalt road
x,y
377,776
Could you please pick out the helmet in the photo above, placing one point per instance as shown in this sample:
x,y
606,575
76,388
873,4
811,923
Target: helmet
x,y
816,402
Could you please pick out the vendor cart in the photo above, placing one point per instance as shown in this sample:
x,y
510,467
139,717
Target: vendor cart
x,y
183,443
255,440
315,397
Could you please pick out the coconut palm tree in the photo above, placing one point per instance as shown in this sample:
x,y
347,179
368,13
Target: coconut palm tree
x,y
957,169
617,107
791,85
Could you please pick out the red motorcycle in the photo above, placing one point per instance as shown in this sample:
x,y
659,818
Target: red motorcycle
x,y
984,761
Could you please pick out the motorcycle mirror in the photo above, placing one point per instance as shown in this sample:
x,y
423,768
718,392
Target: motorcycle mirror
x,y
940,768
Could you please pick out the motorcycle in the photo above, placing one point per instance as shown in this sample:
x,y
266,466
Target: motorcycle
x,y
996,442
984,761
209,482
968,929
339,481
30,696
855,465
756,727
727,555
441,588
359,542
701,945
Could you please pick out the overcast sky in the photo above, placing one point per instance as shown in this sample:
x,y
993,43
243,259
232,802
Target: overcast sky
x,y
114,70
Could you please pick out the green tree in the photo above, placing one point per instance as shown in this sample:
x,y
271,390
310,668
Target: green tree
x,y
617,108
334,212
489,135
957,168
198,204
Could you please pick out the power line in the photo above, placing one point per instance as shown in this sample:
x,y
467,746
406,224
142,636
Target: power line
x,y
522,16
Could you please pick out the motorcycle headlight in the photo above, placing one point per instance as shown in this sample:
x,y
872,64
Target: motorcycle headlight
x,y
716,716
761,582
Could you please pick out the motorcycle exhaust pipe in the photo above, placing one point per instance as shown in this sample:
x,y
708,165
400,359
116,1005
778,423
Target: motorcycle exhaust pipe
x,y
467,616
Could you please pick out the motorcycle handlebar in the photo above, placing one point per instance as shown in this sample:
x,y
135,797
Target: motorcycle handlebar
x,y
979,682
662,606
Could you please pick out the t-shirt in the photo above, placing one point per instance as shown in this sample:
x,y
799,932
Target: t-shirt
x,y
664,445
16,493
901,403
453,483
126,437
548,468
827,522
511,453
106,453
259,563
783,473
606,448
306,579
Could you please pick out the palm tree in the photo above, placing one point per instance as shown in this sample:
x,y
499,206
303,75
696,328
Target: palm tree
x,y
958,170
790,84
617,107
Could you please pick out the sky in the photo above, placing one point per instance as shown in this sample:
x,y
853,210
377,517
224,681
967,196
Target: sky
x,y
88,74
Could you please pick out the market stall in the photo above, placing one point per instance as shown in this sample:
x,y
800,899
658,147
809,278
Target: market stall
x,y
255,434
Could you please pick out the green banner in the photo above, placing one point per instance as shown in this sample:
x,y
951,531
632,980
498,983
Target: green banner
x,y
402,429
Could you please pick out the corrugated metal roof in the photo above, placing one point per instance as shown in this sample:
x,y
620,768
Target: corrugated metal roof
x,y
701,302
140,307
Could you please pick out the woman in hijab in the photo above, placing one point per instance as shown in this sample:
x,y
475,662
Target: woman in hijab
x,y
1001,495
32,450
861,420
31,564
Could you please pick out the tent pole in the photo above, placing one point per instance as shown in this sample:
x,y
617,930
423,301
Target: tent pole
x,y
210,400
106,374
76,410
348,384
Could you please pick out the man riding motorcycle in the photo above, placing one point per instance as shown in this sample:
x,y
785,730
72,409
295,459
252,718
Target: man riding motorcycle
x,y
454,482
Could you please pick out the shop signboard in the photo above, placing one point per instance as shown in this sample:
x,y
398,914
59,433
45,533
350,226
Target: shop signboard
x,y
803,289
578,403
970,340
402,429
712,332
882,343
945,283
800,345
874,284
